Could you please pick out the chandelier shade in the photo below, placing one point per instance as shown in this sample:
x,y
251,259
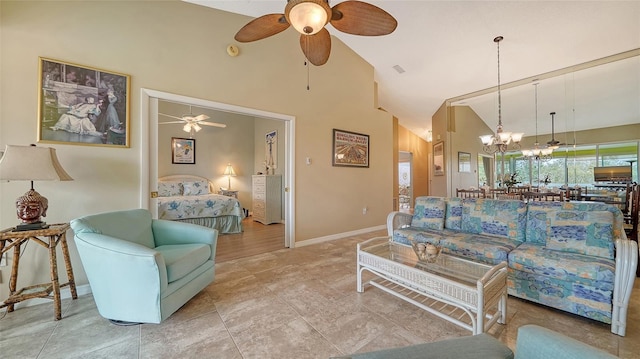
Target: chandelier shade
x,y
500,141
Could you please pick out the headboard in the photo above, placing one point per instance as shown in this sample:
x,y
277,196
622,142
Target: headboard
x,y
186,178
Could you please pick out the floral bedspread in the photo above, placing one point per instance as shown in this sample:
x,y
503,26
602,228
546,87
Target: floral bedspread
x,y
209,205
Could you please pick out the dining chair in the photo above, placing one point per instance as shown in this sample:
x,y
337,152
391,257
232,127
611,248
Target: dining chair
x,y
495,193
470,193
542,196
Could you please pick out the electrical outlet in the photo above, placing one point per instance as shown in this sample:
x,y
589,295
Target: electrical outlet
x,y
364,210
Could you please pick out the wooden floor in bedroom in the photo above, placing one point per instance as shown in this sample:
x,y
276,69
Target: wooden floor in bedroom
x,y
255,239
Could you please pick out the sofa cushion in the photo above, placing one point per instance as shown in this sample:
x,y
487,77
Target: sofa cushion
x,y
477,247
566,266
453,213
169,189
583,232
428,213
494,217
419,235
182,259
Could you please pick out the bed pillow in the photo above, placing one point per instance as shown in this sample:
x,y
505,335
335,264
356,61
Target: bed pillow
x,y
169,189
195,188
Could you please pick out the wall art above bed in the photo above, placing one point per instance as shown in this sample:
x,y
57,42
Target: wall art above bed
x,y
84,105
183,150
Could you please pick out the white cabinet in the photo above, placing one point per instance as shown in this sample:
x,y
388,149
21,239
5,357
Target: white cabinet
x,y
267,198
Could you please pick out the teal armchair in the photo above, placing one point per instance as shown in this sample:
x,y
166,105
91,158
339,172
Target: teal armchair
x,y
142,270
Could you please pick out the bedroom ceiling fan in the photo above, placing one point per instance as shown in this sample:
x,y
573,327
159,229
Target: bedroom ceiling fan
x,y
309,18
192,123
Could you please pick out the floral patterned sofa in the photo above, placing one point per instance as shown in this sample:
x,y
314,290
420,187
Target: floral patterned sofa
x,y
573,256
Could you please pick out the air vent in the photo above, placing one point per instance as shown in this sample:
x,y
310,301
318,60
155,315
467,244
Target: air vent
x,y
398,68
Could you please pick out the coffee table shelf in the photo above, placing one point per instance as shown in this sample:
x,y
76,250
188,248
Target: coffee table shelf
x,y
469,294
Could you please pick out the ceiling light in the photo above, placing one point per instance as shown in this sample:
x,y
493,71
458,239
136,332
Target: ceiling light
x,y
537,152
501,141
196,127
187,128
308,16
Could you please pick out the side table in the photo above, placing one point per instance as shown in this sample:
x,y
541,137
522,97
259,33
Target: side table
x,y
48,238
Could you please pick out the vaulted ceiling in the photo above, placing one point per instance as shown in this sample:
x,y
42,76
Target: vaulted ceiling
x,y
446,50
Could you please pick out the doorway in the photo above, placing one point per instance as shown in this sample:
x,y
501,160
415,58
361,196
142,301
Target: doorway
x,y
485,171
149,150
405,181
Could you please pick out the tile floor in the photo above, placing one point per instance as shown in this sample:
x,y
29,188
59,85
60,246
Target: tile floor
x,y
298,303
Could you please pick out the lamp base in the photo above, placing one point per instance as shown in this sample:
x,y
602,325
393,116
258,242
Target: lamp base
x,y
31,226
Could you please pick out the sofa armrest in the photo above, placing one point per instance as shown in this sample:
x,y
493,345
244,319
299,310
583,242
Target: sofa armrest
x,y
534,342
397,220
172,232
121,274
626,264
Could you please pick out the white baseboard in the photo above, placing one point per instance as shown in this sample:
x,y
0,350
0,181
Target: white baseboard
x,y
65,293
333,237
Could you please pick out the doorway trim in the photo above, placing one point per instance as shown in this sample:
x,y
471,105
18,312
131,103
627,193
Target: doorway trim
x,y
149,149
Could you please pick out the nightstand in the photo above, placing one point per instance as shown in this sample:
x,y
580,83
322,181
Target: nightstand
x,y
229,193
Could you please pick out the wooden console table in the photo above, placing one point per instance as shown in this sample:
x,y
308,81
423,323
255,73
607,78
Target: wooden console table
x,y
48,238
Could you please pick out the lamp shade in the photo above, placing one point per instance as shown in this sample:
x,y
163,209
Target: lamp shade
x,y
308,16
229,171
31,163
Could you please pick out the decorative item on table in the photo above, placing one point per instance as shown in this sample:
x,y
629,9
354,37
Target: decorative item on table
x,y
509,180
427,252
31,163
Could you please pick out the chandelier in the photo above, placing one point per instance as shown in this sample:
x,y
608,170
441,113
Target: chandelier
x,y
501,141
537,152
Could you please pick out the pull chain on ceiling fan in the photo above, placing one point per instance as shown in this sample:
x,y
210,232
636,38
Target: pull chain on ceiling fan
x,y
309,18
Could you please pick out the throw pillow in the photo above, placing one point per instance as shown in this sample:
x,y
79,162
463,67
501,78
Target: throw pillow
x,y
583,232
429,213
169,189
453,213
195,188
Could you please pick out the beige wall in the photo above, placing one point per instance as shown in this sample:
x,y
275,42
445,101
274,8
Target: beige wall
x,y
179,48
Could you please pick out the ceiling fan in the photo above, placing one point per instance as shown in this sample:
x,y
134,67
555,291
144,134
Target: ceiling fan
x,y
192,123
554,144
309,17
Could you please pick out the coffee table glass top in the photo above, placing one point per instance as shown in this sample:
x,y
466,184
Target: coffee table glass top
x,y
447,266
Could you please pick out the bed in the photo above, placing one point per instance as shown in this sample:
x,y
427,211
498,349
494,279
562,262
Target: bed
x,y
188,198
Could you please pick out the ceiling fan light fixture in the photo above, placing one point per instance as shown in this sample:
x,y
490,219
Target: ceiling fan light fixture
x,y
196,127
308,16
187,128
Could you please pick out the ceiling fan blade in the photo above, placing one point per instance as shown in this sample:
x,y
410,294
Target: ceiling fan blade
x,y
317,47
361,18
213,124
262,27
177,118
165,123
201,118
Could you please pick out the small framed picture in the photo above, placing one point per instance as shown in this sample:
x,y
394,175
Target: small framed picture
x,y
464,162
350,149
183,151
82,105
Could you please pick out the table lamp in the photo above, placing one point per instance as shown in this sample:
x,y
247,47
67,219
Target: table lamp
x,y
31,163
229,172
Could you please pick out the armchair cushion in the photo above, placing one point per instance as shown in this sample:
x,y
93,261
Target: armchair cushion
x,y
183,259
135,226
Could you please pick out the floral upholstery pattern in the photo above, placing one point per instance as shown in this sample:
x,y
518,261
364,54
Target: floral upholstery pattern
x,y
169,189
429,213
584,232
494,217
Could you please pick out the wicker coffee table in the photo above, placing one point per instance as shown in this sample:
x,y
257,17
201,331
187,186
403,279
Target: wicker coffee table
x,y
466,293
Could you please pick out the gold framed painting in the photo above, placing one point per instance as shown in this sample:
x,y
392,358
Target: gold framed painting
x,y
82,105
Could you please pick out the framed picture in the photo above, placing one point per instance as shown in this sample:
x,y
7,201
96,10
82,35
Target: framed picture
x,y
183,150
438,159
464,162
350,149
82,105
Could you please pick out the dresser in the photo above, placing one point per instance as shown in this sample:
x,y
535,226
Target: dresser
x,y
267,198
